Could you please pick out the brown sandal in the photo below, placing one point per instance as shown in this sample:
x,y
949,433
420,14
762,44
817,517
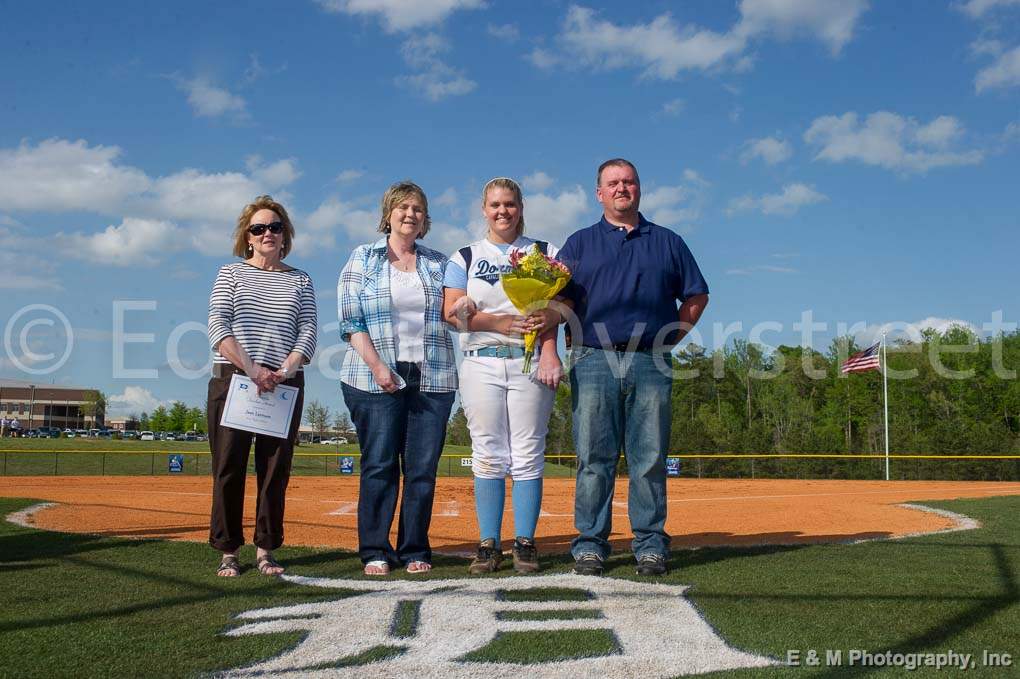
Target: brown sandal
x,y
229,567
265,562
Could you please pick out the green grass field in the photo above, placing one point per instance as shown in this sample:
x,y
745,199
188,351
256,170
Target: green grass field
x,y
82,605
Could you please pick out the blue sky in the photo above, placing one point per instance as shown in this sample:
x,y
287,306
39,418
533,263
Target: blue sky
x,y
858,160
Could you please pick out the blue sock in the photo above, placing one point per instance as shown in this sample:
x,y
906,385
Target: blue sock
x,y
489,498
527,500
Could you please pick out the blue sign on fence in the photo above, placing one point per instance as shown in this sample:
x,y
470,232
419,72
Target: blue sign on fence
x,y
345,464
176,463
672,466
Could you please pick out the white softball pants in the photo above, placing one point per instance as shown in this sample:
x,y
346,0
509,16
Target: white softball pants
x,y
508,417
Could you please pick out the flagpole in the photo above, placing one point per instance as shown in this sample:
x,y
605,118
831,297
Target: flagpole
x,y
885,399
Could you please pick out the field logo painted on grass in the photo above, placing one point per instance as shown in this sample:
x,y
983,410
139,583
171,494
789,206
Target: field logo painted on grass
x,y
456,629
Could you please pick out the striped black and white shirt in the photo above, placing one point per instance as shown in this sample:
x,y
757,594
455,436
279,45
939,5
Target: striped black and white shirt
x,y
269,313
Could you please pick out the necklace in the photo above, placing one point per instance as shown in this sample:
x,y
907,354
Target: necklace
x,y
405,263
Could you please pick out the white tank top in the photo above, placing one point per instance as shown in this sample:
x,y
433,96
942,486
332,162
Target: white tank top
x,y
407,299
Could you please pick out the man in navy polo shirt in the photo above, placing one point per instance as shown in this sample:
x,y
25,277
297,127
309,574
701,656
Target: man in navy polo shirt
x,y
628,275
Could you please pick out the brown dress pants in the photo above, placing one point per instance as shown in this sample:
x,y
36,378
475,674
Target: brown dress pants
x,y
230,448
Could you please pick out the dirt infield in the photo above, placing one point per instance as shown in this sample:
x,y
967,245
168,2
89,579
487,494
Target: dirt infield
x,y
323,511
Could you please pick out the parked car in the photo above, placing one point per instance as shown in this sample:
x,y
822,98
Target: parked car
x,y
339,440
190,436
104,434
69,433
81,433
147,436
170,436
48,433
129,434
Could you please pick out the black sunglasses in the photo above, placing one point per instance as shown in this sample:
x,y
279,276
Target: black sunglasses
x,y
259,229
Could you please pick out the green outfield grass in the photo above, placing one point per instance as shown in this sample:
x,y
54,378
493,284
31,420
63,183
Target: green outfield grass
x,y
78,604
88,457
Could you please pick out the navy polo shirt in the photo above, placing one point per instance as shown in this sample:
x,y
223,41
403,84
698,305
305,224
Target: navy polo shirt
x,y
628,283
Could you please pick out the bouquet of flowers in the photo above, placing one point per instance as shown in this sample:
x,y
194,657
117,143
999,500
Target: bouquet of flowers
x,y
532,281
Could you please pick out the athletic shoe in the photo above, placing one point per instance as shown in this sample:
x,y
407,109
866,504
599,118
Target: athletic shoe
x,y
651,564
588,563
525,555
488,558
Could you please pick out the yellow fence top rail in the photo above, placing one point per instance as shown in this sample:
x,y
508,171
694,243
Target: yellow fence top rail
x,y
700,456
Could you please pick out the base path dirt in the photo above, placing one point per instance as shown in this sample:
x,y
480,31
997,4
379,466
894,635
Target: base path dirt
x,y
323,511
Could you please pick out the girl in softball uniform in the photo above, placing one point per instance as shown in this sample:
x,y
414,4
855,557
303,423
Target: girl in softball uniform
x,y
507,411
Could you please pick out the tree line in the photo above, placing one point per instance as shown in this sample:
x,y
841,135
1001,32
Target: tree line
x,y
950,393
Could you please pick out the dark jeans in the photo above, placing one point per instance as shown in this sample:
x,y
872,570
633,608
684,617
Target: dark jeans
x,y
399,432
230,449
620,401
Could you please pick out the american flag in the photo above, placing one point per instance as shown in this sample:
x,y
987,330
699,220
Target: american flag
x,y
863,360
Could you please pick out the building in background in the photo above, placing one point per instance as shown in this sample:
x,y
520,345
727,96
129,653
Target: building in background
x,y
49,405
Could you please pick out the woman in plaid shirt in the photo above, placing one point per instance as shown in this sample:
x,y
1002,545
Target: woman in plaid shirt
x,y
399,381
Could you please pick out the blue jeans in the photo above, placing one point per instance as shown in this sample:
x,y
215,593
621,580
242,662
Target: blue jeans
x,y
403,431
630,410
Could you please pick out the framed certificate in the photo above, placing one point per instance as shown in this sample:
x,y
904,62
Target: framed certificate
x,y
268,414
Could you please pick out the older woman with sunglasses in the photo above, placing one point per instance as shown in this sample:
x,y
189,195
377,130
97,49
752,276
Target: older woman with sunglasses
x,y
398,379
262,323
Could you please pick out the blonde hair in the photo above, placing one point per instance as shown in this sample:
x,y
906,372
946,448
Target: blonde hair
x,y
394,195
241,247
513,187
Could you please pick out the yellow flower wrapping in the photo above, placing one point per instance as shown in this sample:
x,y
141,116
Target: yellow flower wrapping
x,y
528,294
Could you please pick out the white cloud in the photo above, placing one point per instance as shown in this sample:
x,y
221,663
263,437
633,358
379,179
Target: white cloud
x,y
672,107
554,217
63,176
543,58
889,140
693,177
22,266
401,15
506,32
984,47
21,270
769,149
538,181
448,238
830,21
1012,132
349,176
663,48
911,330
788,202
133,400
669,205
1005,72
747,271
439,83
58,175
133,242
978,8
209,100
281,173
434,79
333,214
447,198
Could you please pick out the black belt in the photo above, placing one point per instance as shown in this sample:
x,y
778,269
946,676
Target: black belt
x,y
623,347
228,369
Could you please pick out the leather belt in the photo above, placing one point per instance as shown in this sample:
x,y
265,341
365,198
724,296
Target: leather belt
x,y
228,369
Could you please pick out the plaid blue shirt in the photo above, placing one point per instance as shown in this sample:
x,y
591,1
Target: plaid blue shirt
x,y
363,297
